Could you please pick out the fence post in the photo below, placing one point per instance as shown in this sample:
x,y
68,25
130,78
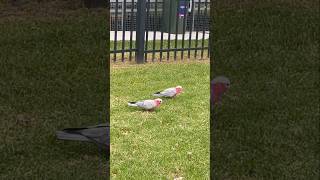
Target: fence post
x,y
140,32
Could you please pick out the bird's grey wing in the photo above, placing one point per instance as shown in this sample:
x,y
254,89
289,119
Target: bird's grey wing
x,y
149,104
91,133
63,135
99,135
99,125
169,92
140,103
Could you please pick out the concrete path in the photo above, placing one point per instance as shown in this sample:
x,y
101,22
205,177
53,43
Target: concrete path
x,y
158,35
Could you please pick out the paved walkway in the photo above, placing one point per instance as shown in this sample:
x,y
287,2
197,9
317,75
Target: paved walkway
x,y
158,35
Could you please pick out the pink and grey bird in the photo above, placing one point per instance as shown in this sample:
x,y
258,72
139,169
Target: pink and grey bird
x,y
146,104
219,86
98,134
170,92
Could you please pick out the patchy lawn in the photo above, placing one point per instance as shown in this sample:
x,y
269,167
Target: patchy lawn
x,y
171,142
52,77
268,125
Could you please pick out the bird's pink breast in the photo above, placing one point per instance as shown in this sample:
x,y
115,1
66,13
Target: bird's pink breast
x,y
218,90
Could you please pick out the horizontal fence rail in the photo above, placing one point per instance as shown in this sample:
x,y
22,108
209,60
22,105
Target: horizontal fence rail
x,y
157,30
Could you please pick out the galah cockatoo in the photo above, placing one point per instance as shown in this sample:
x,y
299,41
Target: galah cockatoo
x,y
170,92
146,104
219,86
98,134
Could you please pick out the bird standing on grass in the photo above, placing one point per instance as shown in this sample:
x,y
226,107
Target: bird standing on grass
x,y
170,92
146,104
219,86
98,134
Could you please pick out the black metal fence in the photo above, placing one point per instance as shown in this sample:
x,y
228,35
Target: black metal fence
x,y
137,30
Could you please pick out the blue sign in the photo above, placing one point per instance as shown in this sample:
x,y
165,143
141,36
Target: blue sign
x,y
183,8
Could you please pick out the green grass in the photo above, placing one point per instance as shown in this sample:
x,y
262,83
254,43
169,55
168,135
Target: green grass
x,y
52,77
268,124
165,44
171,142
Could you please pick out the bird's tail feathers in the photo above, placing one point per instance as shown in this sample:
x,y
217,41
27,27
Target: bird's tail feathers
x,y
158,94
63,135
133,104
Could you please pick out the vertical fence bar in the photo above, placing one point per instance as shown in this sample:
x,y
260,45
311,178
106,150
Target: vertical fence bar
x,y
131,29
176,32
124,6
141,13
191,28
203,27
197,32
211,4
169,32
147,31
184,29
115,31
161,41
154,30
